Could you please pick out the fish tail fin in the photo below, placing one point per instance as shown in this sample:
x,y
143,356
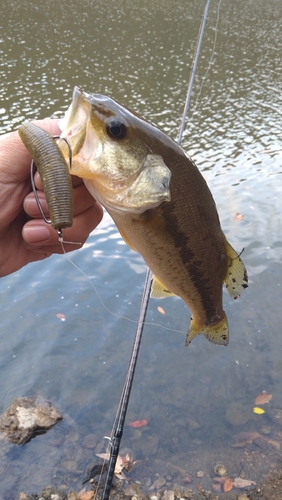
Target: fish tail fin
x,y
215,332
236,279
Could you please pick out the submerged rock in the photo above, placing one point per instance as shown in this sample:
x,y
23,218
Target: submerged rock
x,y
237,413
27,417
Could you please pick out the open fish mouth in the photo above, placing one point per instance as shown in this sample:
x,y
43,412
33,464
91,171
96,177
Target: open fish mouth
x,y
120,176
76,128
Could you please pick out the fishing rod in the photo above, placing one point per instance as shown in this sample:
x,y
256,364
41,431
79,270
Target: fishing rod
x,y
118,426
193,72
124,400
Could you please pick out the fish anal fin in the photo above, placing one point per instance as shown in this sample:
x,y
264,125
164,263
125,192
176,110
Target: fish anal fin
x,y
217,333
159,291
236,279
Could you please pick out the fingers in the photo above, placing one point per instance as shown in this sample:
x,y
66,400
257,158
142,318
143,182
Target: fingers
x,y
38,183
41,237
50,125
82,201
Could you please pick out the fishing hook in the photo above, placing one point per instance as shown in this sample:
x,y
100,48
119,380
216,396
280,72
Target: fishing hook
x,y
32,165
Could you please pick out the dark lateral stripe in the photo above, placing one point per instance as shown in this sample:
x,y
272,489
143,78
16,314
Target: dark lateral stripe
x,y
192,265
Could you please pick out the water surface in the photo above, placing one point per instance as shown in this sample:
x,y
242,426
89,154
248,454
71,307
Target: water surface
x,y
140,53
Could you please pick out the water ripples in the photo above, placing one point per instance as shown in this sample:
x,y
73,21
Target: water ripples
x,y
140,53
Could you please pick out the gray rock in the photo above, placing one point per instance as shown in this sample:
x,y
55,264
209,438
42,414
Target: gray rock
x,y
238,413
168,495
51,493
158,483
24,496
27,417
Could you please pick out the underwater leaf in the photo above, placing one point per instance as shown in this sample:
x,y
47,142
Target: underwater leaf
x,y
161,310
263,398
216,487
245,438
61,316
250,435
85,495
104,456
239,217
121,463
274,444
258,410
240,444
228,484
220,480
238,482
138,423
199,488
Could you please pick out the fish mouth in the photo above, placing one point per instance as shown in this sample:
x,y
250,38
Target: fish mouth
x,y
112,177
77,130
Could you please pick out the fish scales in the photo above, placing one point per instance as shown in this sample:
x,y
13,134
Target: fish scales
x,y
161,205
176,249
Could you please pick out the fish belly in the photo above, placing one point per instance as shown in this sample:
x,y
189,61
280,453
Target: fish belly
x,y
192,268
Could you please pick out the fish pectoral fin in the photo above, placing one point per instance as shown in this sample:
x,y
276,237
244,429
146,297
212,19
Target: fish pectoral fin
x,y
216,332
236,279
159,291
126,239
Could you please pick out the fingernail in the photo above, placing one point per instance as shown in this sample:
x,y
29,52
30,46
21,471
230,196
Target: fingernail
x,y
35,234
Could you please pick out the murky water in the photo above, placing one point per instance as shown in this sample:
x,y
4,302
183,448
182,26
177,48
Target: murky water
x,y
140,53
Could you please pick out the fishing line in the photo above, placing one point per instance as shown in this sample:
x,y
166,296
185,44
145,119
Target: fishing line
x,y
211,59
117,429
193,72
116,315
118,425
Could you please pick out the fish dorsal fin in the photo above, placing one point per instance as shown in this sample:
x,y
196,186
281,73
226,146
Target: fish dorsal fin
x,y
126,239
236,279
216,333
159,291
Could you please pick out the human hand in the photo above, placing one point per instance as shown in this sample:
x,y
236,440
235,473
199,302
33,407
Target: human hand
x,y
24,236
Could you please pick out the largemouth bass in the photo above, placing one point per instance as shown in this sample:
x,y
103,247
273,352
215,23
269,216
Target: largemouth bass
x,y
161,205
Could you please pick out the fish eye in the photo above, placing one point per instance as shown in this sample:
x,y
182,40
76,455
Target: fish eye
x,y
116,129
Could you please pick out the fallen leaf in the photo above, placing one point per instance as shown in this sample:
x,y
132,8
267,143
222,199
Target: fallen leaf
x,y
273,443
71,496
240,444
228,484
263,398
138,423
85,495
121,463
219,479
161,310
187,479
258,411
238,482
61,316
128,462
249,435
216,487
245,438
239,217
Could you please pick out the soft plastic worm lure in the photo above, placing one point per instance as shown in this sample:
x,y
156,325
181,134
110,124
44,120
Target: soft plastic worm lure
x,y
54,173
